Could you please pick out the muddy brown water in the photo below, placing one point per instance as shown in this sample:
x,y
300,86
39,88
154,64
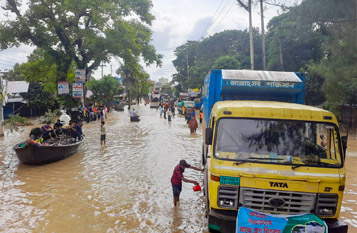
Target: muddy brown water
x,y
121,187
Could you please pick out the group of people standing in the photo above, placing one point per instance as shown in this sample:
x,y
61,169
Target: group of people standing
x,y
94,112
167,109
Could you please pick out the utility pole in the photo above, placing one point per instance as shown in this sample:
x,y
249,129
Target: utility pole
x,y
263,33
249,9
2,101
102,65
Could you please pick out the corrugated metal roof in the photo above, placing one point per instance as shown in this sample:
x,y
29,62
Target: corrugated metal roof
x,y
258,75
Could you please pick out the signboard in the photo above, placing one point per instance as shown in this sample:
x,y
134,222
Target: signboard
x,y
266,84
17,87
63,88
77,90
80,76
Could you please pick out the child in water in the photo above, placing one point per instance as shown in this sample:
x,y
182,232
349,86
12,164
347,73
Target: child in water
x,y
102,133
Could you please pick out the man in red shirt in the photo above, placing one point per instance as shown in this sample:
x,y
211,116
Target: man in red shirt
x,y
177,178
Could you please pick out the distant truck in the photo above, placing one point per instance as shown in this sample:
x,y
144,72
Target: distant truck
x,y
264,150
155,100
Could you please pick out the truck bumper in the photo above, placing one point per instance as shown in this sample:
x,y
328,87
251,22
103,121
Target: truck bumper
x,y
225,222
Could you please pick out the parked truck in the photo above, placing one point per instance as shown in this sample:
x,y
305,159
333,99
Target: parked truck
x,y
265,150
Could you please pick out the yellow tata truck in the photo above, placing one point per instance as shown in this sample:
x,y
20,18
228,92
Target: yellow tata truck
x,y
265,150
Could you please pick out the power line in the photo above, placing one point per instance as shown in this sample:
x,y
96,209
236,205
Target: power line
x,y
218,16
210,23
224,16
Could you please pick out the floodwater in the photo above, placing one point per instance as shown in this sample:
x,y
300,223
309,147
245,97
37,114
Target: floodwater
x,y
121,187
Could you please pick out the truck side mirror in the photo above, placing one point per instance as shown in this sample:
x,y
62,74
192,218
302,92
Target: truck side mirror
x,y
344,144
208,136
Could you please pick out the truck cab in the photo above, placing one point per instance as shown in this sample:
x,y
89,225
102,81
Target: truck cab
x,y
271,156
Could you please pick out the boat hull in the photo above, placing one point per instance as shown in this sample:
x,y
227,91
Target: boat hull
x,y
33,154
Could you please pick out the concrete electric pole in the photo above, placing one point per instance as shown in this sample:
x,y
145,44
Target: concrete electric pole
x,y
249,9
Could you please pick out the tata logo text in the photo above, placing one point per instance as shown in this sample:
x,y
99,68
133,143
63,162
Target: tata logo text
x,y
278,185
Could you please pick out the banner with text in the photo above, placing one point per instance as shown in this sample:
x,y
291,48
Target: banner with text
x,y
63,88
80,76
257,222
77,90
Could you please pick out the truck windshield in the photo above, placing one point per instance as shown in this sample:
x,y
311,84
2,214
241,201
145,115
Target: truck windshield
x,y
297,143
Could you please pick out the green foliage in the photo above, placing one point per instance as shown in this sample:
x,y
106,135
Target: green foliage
x,y
194,59
314,94
50,116
86,32
38,97
167,89
14,121
226,62
104,89
135,79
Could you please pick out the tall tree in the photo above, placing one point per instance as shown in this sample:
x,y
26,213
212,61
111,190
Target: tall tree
x,y
104,89
196,58
87,32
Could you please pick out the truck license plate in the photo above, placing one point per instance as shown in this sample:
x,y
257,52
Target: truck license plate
x,y
230,180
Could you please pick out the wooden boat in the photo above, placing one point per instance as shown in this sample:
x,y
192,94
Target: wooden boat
x,y
34,154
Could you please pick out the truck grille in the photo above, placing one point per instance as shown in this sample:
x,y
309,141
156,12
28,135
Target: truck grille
x,y
277,202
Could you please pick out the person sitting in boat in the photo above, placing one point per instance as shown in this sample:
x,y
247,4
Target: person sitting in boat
x,y
47,131
76,131
36,136
58,127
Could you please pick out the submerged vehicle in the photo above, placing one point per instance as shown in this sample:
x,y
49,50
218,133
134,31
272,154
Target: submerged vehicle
x,y
265,150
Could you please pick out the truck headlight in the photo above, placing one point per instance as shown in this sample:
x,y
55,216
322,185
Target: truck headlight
x,y
326,204
227,197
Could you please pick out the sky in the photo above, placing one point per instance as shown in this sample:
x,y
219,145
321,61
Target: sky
x,y
177,21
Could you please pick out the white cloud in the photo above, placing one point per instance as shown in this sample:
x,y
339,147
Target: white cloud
x,y
176,22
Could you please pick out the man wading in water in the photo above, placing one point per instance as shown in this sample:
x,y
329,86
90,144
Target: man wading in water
x,y
177,178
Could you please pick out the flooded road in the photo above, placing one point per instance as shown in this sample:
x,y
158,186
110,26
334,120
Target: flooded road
x,y
121,187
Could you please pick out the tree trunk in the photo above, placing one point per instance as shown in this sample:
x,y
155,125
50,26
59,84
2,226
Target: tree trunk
x,y
351,115
129,100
